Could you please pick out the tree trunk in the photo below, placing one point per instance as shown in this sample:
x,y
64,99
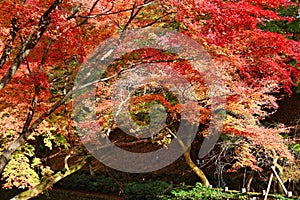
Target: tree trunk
x,y
281,190
4,158
33,192
194,167
189,161
250,181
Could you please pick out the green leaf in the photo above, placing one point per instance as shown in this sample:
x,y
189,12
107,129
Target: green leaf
x,y
36,162
48,143
61,140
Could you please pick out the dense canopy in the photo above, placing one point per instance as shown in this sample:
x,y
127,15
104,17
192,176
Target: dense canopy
x,y
253,44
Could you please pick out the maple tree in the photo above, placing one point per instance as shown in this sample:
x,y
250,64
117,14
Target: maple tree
x,y
44,43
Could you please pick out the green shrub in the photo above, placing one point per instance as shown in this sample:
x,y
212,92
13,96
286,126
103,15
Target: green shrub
x,y
99,183
198,192
150,190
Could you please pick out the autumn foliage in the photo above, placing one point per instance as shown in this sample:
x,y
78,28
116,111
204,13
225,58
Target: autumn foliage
x,y
43,44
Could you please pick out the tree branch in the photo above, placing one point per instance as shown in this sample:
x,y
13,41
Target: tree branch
x,y
45,54
7,49
29,44
24,135
155,21
108,12
35,191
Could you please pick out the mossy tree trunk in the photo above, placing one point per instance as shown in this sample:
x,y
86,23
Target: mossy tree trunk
x,y
46,184
189,161
195,168
250,179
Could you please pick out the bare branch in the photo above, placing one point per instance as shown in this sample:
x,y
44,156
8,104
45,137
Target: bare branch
x,y
132,15
45,54
28,67
26,60
7,49
91,10
31,111
29,44
108,12
74,13
36,92
157,20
